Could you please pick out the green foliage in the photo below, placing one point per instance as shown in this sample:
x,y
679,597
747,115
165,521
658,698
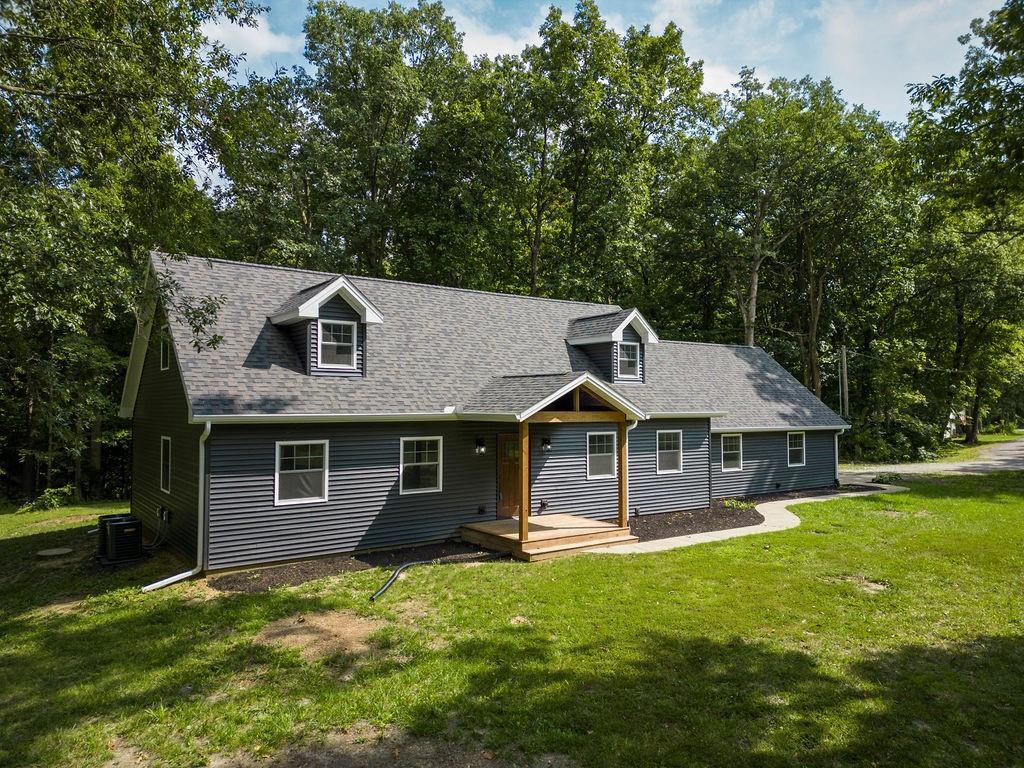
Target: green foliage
x,y
51,498
738,504
592,165
887,478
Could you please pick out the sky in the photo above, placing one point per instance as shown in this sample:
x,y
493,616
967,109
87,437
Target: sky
x,y
871,49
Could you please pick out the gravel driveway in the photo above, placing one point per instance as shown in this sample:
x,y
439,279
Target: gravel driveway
x,y
994,458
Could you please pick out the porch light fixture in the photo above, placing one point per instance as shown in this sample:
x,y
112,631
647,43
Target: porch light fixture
x,y
545,445
481,447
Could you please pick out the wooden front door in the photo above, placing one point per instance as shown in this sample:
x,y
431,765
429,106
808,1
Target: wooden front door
x,y
508,475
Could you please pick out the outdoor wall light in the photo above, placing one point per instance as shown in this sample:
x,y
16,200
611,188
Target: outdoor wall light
x,y
481,447
545,445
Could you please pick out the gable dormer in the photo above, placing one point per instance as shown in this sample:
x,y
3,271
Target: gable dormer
x,y
615,342
327,324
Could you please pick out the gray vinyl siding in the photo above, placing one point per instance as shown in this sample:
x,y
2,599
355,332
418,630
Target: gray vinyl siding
x,y
560,476
364,509
161,410
337,309
765,464
650,492
601,355
300,336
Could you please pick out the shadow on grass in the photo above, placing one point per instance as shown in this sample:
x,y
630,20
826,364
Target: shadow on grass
x,y
696,701
660,699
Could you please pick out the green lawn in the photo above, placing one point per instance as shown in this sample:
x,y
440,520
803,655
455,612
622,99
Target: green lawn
x,y
760,651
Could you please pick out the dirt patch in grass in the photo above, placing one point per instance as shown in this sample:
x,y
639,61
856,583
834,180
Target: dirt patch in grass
x,y
365,746
293,574
125,756
320,635
863,583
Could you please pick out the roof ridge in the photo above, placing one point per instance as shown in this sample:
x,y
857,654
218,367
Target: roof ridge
x,y
711,344
618,311
615,307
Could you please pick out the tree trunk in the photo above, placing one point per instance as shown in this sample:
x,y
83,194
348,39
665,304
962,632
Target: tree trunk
x,y
974,425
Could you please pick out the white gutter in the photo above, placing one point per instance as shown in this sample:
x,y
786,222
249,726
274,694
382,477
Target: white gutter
x,y
745,430
200,528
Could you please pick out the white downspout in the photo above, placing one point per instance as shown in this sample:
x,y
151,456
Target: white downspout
x,y
201,523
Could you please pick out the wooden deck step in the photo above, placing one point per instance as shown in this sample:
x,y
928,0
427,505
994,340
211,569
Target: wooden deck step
x,y
555,535
565,550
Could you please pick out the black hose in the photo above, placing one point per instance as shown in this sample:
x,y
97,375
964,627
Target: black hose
x,y
435,561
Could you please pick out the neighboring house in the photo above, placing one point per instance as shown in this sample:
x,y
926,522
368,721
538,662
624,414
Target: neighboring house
x,y
348,413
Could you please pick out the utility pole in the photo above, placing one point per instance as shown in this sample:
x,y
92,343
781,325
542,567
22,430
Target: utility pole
x,y
844,384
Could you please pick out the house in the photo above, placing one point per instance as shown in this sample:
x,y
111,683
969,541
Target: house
x,y
345,413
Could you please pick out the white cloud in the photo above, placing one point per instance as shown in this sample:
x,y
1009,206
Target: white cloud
x,y
726,40
479,39
872,49
257,42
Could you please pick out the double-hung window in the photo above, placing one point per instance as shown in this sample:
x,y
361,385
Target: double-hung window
x,y
670,451
600,454
337,344
732,453
301,474
629,360
165,349
165,464
795,444
420,470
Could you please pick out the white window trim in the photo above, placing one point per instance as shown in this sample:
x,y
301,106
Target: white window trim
x,y
277,472
618,360
165,349
615,456
657,464
803,449
721,446
401,466
320,345
165,440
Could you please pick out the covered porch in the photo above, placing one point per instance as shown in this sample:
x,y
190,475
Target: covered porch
x,y
577,399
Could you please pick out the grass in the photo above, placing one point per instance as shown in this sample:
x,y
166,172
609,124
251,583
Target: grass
x,y
953,450
759,651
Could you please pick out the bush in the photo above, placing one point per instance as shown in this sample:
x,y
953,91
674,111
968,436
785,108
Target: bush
x,y
51,498
887,478
1002,427
739,504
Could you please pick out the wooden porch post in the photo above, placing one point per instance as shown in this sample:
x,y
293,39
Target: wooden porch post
x,y
524,481
623,477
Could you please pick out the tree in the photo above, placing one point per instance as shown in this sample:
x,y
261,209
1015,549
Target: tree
x,y
99,105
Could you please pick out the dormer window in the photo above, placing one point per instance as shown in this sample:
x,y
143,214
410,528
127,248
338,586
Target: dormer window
x,y
337,344
629,360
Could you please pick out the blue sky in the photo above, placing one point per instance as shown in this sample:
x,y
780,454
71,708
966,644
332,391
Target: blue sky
x,y
870,48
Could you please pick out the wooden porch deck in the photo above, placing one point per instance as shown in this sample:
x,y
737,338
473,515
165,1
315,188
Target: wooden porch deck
x,y
550,536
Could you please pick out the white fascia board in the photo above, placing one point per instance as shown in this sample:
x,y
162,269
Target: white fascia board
x,y
781,428
310,308
585,378
319,418
640,325
634,318
686,415
137,356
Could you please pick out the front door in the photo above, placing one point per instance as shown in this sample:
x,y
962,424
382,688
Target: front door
x,y
508,475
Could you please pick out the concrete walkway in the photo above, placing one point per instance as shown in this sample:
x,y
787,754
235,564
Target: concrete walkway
x,y
994,458
777,517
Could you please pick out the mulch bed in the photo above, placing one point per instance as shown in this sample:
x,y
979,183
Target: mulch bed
x,y
293,574
717,517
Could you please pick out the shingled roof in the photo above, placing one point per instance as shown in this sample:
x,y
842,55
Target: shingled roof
x,y
445,351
